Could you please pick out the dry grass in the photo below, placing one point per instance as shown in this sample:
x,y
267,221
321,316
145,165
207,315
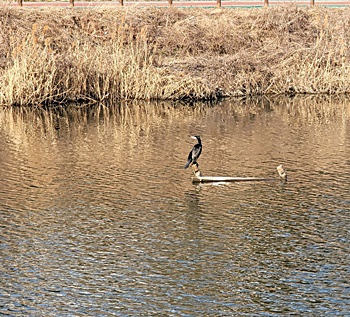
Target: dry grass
x,y
59,55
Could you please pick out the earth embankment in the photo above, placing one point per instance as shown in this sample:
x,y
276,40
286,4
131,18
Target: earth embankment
x,y
101,54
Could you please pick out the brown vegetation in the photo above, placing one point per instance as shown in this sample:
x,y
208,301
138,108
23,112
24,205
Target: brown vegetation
x,y
103,54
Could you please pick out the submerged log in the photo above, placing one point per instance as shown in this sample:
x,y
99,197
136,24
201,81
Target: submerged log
x,y
224,179
198,178
197,173
282,173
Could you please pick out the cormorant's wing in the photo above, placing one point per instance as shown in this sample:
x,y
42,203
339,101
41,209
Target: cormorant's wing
x,y
196,152
189,159
190,155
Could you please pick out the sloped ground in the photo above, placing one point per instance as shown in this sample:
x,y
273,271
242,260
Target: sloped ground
x,y
169,53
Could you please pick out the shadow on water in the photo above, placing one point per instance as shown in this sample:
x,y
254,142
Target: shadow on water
x,y
99,218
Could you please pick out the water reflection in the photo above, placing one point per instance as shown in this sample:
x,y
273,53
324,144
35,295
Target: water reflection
x,y
98,216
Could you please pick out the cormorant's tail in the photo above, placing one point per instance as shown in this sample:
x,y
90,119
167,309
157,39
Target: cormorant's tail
x,y
188,163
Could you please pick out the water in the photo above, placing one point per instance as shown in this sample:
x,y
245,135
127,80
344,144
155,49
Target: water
x,y
99,218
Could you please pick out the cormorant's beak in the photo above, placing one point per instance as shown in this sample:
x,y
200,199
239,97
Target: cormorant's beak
x,y
193,137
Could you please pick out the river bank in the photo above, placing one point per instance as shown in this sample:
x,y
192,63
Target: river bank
x,y
55,55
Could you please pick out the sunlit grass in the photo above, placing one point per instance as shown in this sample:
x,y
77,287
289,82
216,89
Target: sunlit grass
x,y
53,56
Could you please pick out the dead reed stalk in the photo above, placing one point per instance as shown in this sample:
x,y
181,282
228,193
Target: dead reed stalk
x,y
55,56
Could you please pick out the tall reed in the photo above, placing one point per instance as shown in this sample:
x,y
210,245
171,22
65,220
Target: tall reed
x,y
51,56
124,68
38,75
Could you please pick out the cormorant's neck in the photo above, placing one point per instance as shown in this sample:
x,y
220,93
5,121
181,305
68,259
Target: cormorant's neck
x,y
199,141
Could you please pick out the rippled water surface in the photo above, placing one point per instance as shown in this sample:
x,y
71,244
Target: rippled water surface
x,y
99,218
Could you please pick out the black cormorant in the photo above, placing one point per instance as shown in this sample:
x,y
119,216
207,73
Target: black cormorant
x,y
195,153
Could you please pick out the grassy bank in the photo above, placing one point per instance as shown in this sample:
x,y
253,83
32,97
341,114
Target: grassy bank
x,y
60,55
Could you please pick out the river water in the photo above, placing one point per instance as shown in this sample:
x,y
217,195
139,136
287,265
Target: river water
x,y
99,218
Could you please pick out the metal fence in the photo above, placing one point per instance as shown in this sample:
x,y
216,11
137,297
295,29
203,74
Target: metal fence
x,y
218,3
